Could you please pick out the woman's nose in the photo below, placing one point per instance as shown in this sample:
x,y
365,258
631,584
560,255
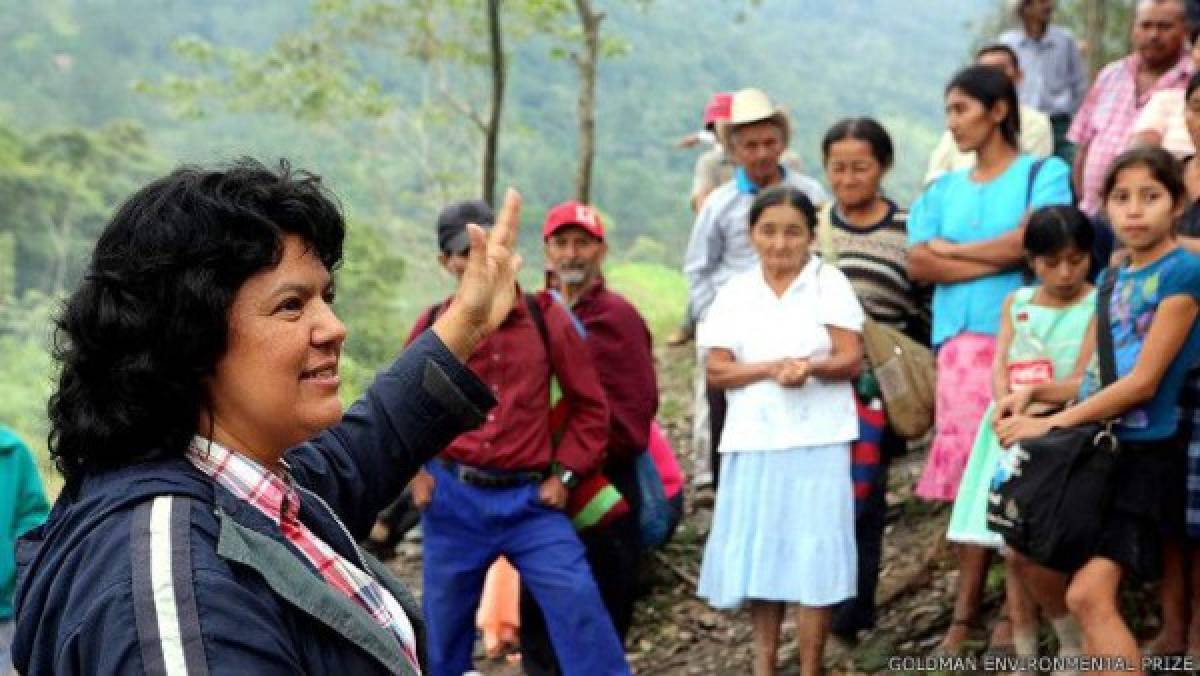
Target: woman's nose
x,y
329,329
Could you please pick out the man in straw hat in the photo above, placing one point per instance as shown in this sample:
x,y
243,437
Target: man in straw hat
x,y
714,167
756,136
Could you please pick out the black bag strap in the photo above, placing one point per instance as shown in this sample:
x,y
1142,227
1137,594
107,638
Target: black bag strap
x,y
432,314
1104,341
539,320
1034,170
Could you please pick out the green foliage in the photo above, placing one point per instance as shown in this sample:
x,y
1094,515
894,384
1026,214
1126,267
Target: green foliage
x,y
375,95
55,194
366,302
27,371
658,292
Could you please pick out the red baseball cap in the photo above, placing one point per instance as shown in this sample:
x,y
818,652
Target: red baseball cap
x,y
573,213
719,108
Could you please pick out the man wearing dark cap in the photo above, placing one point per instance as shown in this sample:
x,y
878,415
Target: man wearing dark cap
x,y
620,347
501,489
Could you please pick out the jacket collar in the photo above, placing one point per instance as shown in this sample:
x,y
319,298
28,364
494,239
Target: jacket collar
x,y
247,537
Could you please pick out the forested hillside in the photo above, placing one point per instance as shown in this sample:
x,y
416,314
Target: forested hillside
x,y
98,95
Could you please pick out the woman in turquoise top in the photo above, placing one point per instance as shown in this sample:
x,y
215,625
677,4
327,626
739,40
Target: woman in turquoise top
x,y
966,238
22,506
1155,340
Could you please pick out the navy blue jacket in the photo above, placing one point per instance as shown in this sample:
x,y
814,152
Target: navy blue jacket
x,y
156,569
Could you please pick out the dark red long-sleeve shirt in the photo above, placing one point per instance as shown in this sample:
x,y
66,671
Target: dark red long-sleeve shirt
x,y
622,352
513,362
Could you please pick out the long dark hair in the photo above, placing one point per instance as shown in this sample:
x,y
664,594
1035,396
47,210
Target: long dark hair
x,y
990,86
149,321
1161,164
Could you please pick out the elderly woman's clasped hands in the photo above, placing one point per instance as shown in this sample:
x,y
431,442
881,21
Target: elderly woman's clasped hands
x,y
791,371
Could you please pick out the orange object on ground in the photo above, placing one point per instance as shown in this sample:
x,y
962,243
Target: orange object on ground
x,y
499,616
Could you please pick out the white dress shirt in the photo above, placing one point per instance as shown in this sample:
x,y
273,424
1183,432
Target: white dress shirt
x,y
748,319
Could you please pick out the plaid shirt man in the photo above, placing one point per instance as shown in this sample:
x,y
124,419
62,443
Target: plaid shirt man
x,y
1105,120
279,501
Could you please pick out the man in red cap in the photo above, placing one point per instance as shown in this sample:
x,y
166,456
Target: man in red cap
x,y
715,110
707,174
620,347
500,490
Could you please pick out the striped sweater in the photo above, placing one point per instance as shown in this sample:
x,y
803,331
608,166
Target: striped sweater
x,y
875,260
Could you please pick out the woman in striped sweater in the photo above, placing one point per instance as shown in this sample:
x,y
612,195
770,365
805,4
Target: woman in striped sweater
x,y
865,233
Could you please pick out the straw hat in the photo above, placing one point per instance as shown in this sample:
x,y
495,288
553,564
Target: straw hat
x,y
750,106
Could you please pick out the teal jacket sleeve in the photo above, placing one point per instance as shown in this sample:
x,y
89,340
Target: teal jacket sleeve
x,y
31,504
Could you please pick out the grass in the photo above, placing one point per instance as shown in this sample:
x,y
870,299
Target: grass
x,y
657,291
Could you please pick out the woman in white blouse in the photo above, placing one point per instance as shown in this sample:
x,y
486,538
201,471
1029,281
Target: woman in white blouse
x,y
784,342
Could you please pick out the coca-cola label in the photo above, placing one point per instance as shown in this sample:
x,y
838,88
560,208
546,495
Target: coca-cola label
x,y
1030,372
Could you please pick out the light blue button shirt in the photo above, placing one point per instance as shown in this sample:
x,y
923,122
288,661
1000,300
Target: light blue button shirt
x,y
1055,77
719,246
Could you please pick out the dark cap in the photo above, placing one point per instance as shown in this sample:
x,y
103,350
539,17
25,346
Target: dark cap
x,y
452,224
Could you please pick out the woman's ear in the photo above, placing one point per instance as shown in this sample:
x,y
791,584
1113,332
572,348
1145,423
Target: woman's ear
x,y
999,112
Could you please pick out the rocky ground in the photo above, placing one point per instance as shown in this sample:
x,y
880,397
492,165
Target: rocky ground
x,y
677,634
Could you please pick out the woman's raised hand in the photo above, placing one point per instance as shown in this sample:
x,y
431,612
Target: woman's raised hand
x,y
488,288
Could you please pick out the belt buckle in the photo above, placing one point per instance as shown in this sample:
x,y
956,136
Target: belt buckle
x,y
478,477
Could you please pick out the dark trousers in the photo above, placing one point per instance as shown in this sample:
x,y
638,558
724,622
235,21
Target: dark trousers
x,y
400,517
858,613
1060,123
716,425
614,554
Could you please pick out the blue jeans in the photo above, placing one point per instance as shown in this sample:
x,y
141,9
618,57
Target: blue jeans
x,y
466,528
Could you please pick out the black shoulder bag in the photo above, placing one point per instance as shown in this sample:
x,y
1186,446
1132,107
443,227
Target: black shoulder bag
x,y
1051,505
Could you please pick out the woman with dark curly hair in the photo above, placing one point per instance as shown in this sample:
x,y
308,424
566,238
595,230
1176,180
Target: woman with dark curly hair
x,y
214,490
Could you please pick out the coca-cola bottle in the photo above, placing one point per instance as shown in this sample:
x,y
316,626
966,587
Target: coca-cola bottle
x,y
1028,363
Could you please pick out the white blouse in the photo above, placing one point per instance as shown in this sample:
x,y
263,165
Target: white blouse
x,y
748,319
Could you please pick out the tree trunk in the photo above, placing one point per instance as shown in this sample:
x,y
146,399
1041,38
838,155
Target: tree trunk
x,y
589,20
1095,36
492,129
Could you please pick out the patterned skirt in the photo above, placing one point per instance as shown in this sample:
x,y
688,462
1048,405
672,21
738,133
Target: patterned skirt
x,y
964,390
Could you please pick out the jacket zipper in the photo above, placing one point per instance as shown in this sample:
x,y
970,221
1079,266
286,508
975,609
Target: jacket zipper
x,y
345,531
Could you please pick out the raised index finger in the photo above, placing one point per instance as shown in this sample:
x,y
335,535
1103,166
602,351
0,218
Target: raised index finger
x,y
508,222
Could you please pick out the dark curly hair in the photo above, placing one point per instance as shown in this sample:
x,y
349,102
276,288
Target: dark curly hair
x,y
150,319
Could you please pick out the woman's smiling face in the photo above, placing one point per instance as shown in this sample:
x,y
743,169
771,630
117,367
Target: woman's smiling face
x,y
277,383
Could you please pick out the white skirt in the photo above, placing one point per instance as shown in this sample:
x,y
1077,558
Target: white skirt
x,y
783,529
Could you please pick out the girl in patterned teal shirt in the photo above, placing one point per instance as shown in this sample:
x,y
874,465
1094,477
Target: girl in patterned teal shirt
x,y
1155,339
